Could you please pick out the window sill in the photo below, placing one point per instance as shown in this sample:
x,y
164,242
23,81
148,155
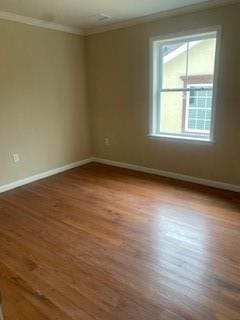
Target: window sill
x,y
177,138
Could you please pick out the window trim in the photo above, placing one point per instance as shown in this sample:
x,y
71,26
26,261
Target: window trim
x,y
176,37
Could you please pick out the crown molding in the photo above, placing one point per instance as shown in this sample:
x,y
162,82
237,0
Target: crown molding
x,y
39,23
118,25
161,15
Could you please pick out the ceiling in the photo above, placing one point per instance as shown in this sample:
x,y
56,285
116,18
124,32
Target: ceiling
x,y
86,14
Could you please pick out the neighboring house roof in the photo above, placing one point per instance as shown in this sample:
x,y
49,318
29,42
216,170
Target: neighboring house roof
x,y
167,49
173,51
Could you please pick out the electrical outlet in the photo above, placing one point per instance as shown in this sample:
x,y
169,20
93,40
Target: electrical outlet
x,y
107,142
16,158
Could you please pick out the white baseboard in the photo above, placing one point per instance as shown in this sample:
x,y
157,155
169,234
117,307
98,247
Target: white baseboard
x,y
177,176
167,174
43,175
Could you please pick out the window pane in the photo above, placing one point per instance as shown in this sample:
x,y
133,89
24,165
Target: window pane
x,y
185,113
198,110
171,112
174,65
201,61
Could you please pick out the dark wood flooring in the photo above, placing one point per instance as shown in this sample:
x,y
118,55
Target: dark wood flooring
x,y
103,243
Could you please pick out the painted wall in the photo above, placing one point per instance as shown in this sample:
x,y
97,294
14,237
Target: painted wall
x,y
118,66
43,110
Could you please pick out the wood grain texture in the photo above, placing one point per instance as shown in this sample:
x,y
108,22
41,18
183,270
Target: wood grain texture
x,y
104,243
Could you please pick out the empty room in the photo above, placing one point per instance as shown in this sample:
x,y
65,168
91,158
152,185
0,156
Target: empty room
x,y
119,160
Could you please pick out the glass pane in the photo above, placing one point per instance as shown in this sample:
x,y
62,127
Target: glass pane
x,y
174,65
171,112
185,113
201,61
198,112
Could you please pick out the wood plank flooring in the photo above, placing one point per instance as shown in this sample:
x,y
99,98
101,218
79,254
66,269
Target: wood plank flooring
x,y
103,243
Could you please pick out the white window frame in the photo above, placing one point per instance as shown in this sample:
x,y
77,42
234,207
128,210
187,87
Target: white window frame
x,y
200,85
193,35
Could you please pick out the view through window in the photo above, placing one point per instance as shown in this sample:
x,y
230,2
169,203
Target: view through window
x,y
183,86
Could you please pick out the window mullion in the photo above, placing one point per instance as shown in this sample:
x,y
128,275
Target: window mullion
x,y
159,88
187,63
187,89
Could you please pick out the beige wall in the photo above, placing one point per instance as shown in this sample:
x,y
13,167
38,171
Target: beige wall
x,y
118,65
43,112
43,105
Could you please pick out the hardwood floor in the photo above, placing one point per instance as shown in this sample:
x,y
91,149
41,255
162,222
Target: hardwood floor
x,y
103,243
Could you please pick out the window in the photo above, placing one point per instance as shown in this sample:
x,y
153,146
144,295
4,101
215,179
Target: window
x,y
183,86
199,109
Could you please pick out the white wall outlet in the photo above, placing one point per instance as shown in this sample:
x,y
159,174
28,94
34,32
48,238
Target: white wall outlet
x,y
107,142
16,157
